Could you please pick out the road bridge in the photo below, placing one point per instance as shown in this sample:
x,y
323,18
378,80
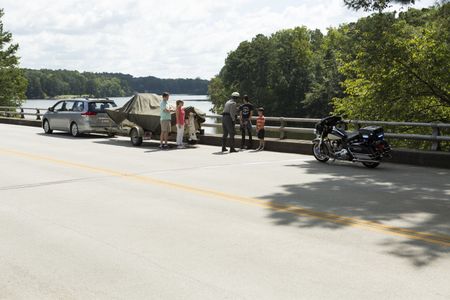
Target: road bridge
x,y
94,217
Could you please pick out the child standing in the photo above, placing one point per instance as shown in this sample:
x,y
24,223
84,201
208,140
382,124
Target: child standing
x,y
165,121
180,114
260,121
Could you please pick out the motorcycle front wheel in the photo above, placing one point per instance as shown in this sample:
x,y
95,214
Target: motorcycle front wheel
x,y
318,154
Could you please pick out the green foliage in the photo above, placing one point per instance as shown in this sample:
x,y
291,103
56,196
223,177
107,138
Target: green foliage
x,y
51,83
12,81
248,69
326,83
397,68
217,92
374,5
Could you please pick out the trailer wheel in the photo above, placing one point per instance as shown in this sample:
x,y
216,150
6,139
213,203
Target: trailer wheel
x,y
136,140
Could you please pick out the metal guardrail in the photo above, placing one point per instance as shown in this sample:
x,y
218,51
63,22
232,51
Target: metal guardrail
x,y
9,111
436,136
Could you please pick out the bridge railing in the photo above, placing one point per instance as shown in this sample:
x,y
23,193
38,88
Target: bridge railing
x,y
436,136
10,111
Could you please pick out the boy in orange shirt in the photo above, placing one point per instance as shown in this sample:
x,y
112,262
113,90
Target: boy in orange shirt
x,y
260,121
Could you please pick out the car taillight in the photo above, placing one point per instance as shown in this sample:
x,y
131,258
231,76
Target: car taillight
x,y
89,113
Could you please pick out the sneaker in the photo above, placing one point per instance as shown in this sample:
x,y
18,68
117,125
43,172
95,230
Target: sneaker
x,y
232,150
224,149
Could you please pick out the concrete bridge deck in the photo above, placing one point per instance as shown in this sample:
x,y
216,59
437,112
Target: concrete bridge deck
x,y
94,217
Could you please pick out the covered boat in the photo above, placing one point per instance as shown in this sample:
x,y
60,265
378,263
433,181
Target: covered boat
x,y
144,110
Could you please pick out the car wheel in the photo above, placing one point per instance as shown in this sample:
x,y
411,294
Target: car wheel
x,y
46,127
74,129
136,140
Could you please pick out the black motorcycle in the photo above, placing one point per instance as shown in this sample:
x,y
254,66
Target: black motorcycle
x,y
367,145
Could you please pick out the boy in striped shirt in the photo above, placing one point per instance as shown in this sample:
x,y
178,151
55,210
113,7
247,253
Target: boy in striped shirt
x,y
260,121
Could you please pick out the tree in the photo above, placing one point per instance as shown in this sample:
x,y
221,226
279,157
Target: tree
x,y
326,83
12,82
217,93
248,69
397,68
374,5
276,72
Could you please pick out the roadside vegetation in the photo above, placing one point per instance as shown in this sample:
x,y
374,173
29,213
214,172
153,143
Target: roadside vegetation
x,y
13,83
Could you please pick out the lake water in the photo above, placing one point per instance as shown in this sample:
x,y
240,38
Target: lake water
x,y
199,101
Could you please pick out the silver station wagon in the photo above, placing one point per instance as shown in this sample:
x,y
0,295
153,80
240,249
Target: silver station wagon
x,y
79,116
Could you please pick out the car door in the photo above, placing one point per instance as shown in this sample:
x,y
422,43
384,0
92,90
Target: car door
x,y
67,115
77,115
54,115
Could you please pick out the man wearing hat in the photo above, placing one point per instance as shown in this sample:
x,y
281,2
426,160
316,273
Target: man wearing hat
x,y
228,121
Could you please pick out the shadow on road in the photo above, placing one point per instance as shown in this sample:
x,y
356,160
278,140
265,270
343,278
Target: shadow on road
x,y
148,146
413,198
65,135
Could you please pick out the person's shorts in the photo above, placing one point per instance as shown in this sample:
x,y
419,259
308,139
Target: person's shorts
x,y
261,133
165,125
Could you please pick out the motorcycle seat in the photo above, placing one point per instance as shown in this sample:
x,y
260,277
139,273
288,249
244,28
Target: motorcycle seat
x,y
352,135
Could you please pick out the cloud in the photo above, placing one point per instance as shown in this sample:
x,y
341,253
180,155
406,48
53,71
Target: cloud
x,y
160,38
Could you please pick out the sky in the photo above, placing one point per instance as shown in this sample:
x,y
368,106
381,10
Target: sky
x,y
166,39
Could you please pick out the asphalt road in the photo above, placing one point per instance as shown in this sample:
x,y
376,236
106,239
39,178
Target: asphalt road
x,y
95,218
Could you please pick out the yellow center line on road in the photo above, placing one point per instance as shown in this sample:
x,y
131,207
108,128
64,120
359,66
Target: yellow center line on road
x,y
433,238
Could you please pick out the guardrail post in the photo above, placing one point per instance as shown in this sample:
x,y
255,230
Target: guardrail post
x,y
38,114
282,132
22,116
436,146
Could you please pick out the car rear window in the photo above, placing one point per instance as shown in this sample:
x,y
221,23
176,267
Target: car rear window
x,y
99,107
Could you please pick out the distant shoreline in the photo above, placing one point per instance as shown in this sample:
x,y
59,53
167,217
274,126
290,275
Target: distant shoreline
x,y
67,97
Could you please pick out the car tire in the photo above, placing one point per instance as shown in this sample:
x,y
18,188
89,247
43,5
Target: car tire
x,y
46,127
136,140
74,130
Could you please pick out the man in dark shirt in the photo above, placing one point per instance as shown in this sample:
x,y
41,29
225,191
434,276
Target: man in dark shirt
x,y
245,116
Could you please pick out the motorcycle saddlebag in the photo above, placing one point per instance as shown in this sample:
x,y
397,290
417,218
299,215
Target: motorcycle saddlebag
x,y
372,133
362,151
